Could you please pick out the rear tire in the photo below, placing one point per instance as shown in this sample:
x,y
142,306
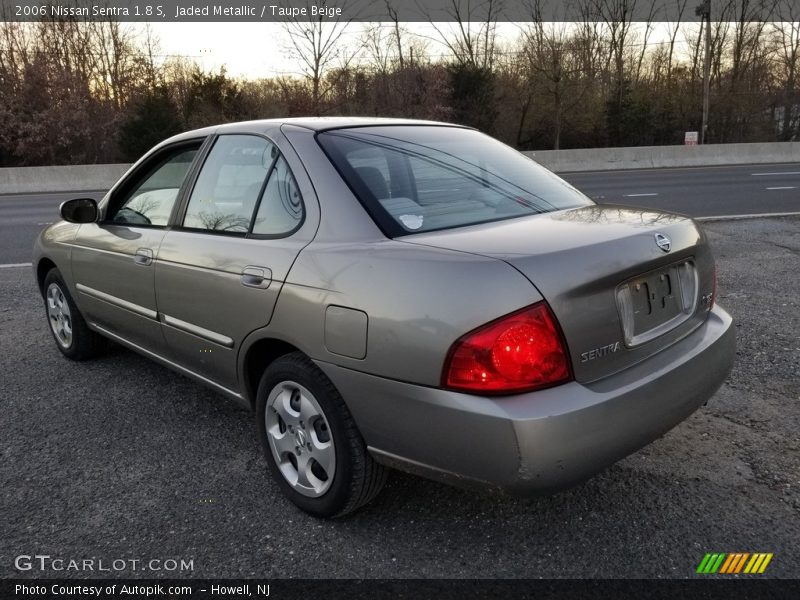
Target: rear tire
x,y
71,333
312,445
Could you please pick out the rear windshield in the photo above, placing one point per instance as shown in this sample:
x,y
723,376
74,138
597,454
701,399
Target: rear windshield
x,y
422,178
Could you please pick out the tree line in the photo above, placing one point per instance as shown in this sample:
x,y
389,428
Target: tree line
x,y
92,92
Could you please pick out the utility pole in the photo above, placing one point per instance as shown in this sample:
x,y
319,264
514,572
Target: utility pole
x,y
704,12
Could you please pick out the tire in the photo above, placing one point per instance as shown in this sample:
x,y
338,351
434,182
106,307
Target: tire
x,y
71,333
312,445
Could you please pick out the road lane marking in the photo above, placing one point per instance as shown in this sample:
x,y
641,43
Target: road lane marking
x,y
747,216
783,187
634,170
768,174
15,265
638,195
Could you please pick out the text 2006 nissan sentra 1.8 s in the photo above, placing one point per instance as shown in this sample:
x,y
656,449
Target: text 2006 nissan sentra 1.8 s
x,y
387,293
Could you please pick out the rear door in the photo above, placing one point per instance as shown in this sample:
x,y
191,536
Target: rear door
x,y
112,261
221,268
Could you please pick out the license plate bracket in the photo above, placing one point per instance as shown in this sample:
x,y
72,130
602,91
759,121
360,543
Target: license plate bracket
x,y
654,303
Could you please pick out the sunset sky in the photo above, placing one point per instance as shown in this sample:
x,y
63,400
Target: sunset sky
x,y
256,50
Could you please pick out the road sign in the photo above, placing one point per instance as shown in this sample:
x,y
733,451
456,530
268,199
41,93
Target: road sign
x,y
690,138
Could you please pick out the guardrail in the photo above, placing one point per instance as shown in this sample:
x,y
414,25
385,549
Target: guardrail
x,y
80,178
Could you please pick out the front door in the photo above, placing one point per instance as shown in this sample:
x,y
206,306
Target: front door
x,y
113,260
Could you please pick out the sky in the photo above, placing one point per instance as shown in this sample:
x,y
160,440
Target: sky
x,y
253,50
256,50
247,49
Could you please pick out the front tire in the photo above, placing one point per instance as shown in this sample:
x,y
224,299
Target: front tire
x,y
71,333
312,445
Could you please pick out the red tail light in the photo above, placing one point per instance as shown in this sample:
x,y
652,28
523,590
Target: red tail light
x,y
520,352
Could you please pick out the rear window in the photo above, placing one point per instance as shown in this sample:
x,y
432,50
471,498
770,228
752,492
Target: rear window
x,y
423,178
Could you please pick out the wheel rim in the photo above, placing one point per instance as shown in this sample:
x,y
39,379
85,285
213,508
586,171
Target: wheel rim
x,y
59,315
300,439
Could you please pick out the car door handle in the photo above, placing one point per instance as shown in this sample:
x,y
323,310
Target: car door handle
x,y
257,277
143,256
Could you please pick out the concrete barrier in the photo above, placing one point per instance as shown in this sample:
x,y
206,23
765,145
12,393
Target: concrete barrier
x,y
72,178
657,157
81,178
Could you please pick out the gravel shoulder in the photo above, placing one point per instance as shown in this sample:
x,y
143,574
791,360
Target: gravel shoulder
x,y
120,458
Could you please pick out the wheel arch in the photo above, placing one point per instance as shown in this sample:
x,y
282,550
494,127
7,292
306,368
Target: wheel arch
x,y
43,267
259,355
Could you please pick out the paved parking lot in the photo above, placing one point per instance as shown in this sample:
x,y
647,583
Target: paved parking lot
x,y
122,459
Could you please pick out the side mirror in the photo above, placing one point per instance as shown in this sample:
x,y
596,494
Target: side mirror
x,y
79,210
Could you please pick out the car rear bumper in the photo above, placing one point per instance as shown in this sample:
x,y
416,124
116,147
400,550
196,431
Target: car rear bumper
x,y
543,440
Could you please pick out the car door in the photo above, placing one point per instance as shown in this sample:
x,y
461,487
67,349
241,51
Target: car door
x,y
220,269
112,260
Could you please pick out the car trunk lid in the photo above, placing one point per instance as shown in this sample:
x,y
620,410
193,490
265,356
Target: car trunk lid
x,y
618,292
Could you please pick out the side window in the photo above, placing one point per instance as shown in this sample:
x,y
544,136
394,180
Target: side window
x,y
281,208
230,184
150,202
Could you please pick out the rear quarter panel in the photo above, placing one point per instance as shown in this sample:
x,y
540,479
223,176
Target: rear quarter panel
x,y
418,301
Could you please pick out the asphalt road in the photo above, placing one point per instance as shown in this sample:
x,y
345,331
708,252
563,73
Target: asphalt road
x,y
23,216
119,458
698,191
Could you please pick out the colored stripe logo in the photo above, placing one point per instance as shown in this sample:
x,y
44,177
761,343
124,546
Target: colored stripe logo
x,y
734,563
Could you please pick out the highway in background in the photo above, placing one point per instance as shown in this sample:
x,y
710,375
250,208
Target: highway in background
x,y
23,216
696,191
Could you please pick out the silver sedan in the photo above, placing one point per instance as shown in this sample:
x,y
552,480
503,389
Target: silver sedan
x,y
386,293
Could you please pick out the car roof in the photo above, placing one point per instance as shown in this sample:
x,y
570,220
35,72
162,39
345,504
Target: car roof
x,y
312,123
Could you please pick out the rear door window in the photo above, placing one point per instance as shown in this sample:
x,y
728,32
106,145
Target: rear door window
x,y
245,188
280,211
229,185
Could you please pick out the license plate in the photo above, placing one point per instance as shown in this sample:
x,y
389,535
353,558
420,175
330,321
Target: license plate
x,y
655,303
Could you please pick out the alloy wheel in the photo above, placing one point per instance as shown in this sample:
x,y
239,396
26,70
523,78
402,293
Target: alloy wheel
x,y
300,439
59,314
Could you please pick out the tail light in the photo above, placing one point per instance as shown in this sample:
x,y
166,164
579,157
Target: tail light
x,y
520,352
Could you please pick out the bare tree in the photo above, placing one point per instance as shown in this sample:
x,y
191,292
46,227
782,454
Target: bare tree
x,y
378,45
785,40
644,46
617,15
116,62
547,48
68,88
588,37
472,40
319,45
738,64
151,48
674,28
398,31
